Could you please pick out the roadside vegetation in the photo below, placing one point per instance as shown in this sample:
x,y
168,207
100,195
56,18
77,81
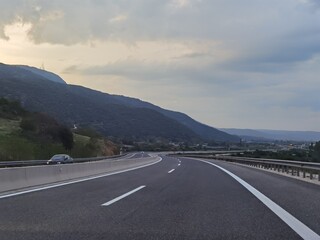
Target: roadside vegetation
x,y
304,155
25,135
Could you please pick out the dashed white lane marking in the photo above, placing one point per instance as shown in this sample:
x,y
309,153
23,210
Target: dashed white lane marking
x,y
297,226
179,164
171,170
122,196
76,181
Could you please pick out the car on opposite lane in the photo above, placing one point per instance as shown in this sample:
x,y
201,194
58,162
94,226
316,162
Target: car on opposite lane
x,y
60,158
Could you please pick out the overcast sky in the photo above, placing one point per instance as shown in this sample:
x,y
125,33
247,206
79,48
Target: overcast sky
x,y
227,63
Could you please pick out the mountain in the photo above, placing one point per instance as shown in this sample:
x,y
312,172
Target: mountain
x,y
310,136
205,131
248,134
280,135
47,75
26,73
112,115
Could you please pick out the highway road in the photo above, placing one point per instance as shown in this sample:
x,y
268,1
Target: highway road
x,y
139,155
177,198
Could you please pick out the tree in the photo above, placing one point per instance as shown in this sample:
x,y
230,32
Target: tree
x,y
315,152
28,124
317,147
66,138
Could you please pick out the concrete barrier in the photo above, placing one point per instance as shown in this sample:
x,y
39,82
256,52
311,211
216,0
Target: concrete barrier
x,y
18,178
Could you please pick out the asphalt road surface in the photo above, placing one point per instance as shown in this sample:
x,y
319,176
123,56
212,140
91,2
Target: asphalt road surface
x,y
140,155
177,198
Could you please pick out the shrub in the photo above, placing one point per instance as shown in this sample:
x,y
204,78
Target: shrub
x,y
28,124
66,138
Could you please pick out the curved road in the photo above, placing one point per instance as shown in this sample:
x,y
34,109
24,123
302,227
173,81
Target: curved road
x,y
178,198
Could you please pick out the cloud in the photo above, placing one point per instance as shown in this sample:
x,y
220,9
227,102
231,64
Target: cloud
x,y
70,70
280,54
313,4
119,18
138,70
194,55
263,32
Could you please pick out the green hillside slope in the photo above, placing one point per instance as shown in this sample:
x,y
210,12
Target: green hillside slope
x,y
25,135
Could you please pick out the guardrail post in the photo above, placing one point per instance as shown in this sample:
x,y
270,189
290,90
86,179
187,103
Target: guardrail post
x,y
304,173
311,175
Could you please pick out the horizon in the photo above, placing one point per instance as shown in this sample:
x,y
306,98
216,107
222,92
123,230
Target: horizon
x,y
228,65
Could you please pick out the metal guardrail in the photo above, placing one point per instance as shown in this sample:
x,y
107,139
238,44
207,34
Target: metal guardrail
x,y
25,163
294,168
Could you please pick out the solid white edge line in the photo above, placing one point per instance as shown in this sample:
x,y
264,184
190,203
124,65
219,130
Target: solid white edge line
x,y
171,170
297,226
122,196
76,181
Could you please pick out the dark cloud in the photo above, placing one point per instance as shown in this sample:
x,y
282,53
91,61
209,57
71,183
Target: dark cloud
x,y
314,3
255,30
278,55
265,36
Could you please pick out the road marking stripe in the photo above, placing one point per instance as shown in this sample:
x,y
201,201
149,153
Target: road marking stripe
x,y
75,181
122,196
171,170
300,228
179,164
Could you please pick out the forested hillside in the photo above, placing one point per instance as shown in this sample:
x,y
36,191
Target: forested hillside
x,y
28,135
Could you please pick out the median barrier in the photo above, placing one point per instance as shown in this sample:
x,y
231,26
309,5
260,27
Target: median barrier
x,y
12,179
